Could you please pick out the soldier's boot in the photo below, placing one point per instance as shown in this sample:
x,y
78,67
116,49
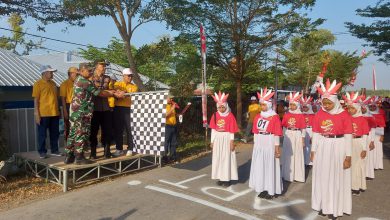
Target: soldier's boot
x,y
92,156
69,158
81,160
107,151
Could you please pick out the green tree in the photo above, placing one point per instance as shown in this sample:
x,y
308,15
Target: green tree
x,y
305,56
17,38
127,16
174,62
378,32
239,31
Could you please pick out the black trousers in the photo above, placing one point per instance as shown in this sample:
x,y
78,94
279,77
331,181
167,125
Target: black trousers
x,y
170,140
122,123
101,119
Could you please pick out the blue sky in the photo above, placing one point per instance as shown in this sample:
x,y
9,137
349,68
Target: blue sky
x,y
99,30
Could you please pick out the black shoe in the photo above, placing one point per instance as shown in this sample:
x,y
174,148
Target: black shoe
x,y
219,183
226,183
268,196
69,158
356,192
81,160
321,214
262,194
107,152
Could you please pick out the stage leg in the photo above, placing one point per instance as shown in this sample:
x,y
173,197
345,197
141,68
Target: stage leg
x,y
65,182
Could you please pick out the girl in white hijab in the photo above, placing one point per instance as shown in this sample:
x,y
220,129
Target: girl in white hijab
x,y
331,155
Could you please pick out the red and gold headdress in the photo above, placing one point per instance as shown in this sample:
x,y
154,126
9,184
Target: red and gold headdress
x,y
351,98
329,89
220,98
294,97
265,95
306,100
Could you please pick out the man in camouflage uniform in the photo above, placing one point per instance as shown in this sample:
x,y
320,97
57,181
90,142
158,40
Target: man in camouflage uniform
x,y
80,115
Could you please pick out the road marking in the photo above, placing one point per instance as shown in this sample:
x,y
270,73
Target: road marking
x,y
229,189
134,183
204,202
257,204
179,184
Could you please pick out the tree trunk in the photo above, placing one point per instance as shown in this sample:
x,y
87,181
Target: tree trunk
x,y
136,78
239,103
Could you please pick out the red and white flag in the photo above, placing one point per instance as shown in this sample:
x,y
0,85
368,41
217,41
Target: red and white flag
x,y
374,77
204,85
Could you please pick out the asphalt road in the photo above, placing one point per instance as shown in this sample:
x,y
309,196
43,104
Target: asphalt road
x,y
185,191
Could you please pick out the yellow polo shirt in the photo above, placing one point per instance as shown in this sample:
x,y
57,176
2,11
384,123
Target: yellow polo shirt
x,y
253,110
126,87
47,95
171,120
111,100
66,90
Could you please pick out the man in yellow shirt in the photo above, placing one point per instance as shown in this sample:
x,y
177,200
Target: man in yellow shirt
x,y
253,110
46,111
170,131
122,114
66,93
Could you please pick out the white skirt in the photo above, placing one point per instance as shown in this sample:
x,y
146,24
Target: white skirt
x,y
224,163
358,166
265,168
378,153
307,147
370,163
293,167
331,183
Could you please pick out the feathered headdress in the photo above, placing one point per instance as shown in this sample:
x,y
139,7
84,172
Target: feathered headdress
x,y
265,95
376,100
329,89
306,100
220,98
351,98
294,97
365,100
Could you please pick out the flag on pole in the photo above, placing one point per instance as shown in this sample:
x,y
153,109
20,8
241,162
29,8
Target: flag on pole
x,y
204,85
374,77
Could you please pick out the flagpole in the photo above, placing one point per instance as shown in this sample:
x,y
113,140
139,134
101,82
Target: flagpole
x,y
373,77
204,85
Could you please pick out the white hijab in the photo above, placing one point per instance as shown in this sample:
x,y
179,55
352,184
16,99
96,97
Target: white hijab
x,y
374,112
310,111
270,112
368,113
337,106
227,111
296,111
358,113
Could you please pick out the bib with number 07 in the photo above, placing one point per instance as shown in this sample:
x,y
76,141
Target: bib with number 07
x,y
262,125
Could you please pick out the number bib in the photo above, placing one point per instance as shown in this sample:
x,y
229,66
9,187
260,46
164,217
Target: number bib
x,y
262,125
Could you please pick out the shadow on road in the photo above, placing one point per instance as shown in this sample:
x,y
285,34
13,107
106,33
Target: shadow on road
x,y
121,217
195,165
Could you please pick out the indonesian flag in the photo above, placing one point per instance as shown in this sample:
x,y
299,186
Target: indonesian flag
x,y
374,77
203,53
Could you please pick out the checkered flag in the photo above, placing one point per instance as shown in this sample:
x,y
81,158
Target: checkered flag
x,y
148,111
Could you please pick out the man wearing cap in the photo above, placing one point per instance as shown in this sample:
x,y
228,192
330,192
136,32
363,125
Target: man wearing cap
x,y
122,114
102,113
81,110
66,93
46,111
253,110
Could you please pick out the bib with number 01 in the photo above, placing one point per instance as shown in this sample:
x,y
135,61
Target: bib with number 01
x,y
262,125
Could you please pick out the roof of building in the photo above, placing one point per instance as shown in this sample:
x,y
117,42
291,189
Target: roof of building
x,y
19,71
62,62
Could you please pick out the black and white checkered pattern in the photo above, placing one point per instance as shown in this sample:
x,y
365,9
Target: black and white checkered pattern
x,y
148,111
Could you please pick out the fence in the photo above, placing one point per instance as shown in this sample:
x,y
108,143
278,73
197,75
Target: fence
x,y
21,131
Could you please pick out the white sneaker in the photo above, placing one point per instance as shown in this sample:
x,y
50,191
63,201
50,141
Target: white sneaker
x,y
129,153
244,140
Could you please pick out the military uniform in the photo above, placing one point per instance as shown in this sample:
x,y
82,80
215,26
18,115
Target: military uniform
x,y
80,115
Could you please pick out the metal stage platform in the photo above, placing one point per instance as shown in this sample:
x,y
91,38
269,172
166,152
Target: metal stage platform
x,y
55,170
